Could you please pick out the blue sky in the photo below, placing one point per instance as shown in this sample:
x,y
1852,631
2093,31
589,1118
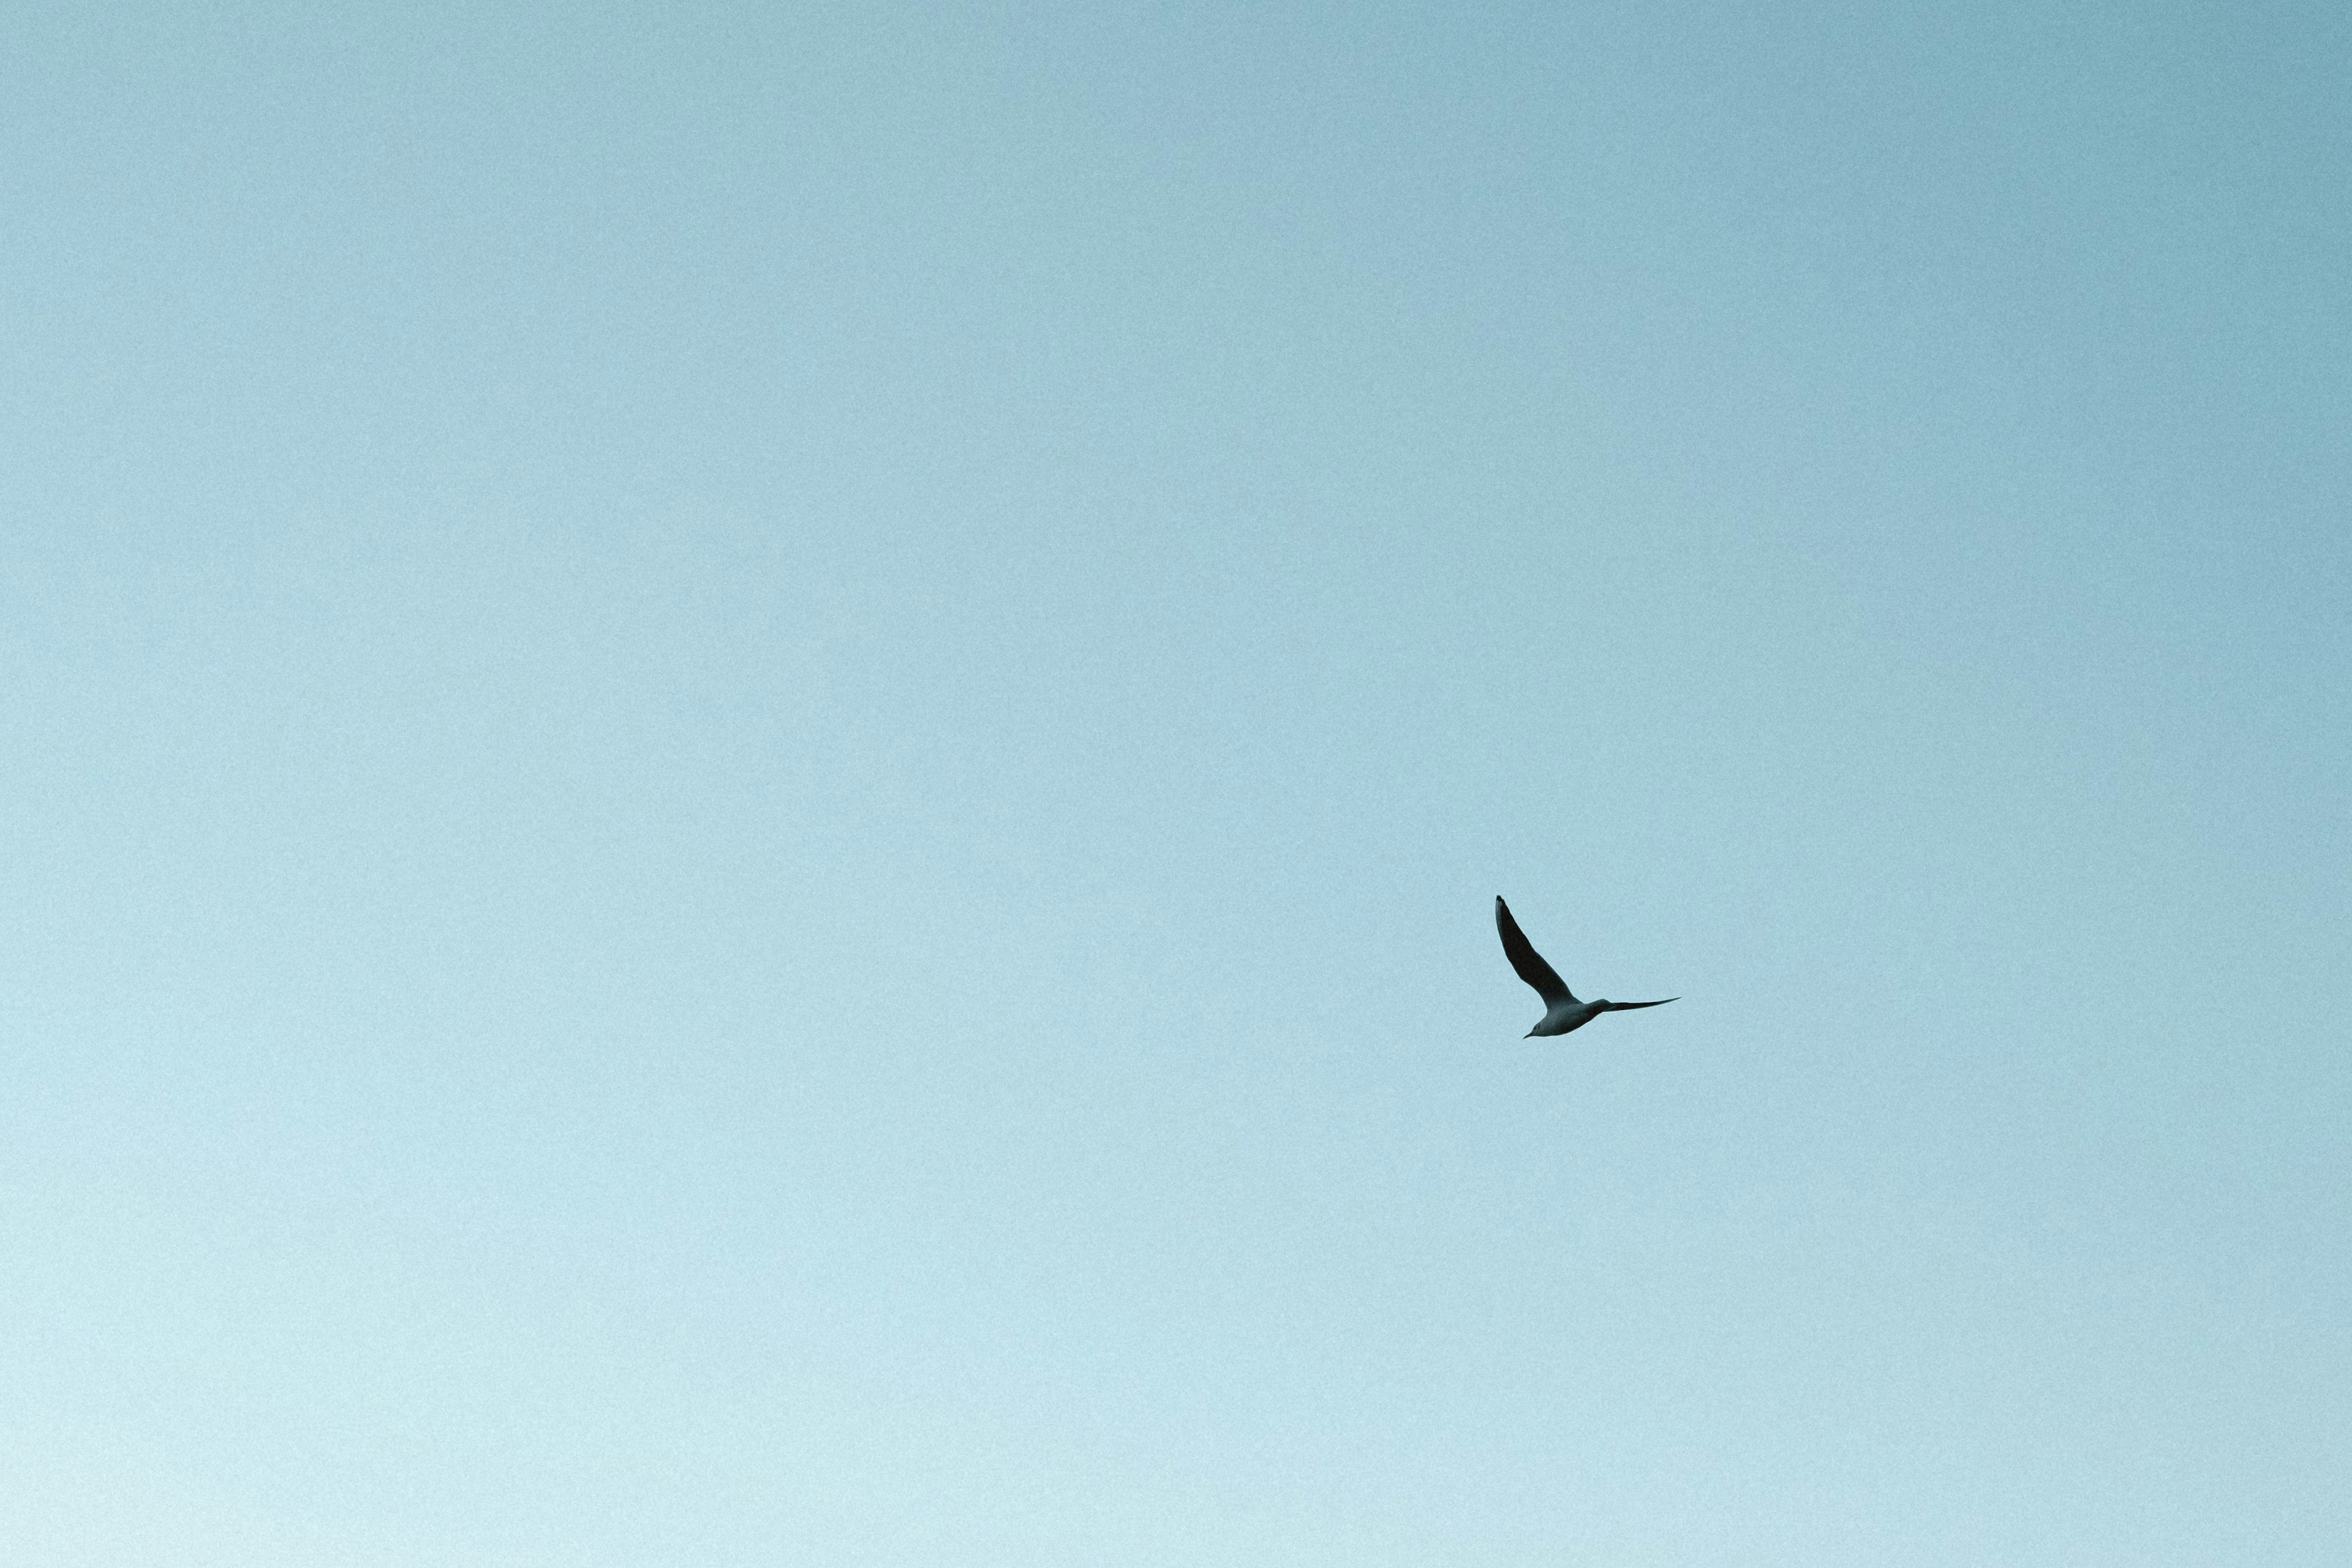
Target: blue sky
x,y
756,760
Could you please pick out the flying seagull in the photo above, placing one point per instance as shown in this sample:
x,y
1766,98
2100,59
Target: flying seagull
x,y
1562,1011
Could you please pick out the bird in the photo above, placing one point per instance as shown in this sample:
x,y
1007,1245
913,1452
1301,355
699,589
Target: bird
x,y
1562,1012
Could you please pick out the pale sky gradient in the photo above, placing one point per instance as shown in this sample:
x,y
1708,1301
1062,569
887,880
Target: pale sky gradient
x,y
755,763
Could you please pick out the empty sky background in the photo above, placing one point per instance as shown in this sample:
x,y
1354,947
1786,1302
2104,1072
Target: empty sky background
x,y
755,760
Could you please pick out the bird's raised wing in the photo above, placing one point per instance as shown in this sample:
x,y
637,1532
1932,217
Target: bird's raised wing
x,y
1629,1006
1528,961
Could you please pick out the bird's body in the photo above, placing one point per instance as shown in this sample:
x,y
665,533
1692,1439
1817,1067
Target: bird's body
x,y
1563,1014
1569,1015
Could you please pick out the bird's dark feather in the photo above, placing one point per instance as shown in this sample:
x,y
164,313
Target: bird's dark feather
x,y
1530,963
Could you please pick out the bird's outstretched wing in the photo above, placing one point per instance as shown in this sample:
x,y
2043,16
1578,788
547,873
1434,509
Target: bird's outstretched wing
x,y
1528,961
1629,1006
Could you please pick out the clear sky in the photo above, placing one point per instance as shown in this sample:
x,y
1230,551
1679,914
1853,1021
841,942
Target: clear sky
x,y
755,762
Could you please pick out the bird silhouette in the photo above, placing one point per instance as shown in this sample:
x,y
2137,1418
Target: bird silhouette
x,y
1562,1012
